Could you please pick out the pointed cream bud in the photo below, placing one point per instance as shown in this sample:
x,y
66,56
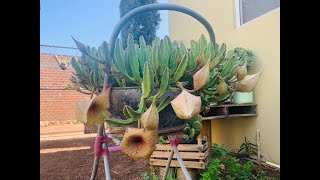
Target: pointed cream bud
x,y
150,118
242,72
202,76
249,82
186,105
222,88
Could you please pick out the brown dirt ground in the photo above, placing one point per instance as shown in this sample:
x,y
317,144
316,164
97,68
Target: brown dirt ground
x,y
66,128
72,159
73,164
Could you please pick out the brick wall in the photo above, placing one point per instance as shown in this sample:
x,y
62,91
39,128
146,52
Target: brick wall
x,y
56,105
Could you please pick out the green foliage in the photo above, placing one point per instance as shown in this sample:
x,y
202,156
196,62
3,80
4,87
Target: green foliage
x,y
226,166
219,151
89,73
237,171
144,24
145,176
213,171
172,174
242,55
248,148
262,175
193,128
152,175
163,140
162,64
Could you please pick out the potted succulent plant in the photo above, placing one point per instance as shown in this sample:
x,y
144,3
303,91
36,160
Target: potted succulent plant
x,y
244,58
155,86
142,93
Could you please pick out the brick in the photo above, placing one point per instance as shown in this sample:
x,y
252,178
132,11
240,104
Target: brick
x,y
56,105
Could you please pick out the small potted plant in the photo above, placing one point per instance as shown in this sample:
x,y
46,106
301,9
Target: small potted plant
x,y
244,58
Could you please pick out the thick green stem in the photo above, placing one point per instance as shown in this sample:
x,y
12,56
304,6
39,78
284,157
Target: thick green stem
x,y
93,90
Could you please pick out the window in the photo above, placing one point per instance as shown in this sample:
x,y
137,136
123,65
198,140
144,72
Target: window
x,y
248,10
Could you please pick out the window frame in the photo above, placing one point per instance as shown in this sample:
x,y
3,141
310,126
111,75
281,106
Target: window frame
x,y
238,12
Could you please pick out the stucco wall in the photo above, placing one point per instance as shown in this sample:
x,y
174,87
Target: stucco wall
x,y
261,35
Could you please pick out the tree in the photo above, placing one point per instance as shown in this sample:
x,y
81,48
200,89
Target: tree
x,y
144,24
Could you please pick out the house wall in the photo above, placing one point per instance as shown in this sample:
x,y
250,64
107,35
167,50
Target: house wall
x,y
262,35
57,106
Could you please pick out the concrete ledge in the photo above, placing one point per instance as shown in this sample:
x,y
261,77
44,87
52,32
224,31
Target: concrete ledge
x,y
50,123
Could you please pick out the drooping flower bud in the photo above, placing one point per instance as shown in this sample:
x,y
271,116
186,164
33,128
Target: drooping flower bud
x,y
186,105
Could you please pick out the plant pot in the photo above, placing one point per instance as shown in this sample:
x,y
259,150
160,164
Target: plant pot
x,y
119,97
242,97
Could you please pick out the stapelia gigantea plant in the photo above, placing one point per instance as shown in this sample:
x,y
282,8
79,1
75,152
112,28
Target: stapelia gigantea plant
x,y
203,73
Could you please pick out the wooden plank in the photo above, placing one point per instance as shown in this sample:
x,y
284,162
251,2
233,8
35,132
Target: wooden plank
x,y
205,146
206,131
181,147
233,105
184,155
242,115
206,154
213,117
175,163
236,110
225,117
199,141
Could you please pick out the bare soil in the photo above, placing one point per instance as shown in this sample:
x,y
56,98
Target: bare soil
x,y
72,159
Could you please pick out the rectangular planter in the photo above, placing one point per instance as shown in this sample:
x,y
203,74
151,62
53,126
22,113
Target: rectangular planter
x,y
194,156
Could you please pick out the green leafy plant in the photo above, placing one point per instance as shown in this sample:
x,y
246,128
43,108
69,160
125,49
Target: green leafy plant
x,y
163,64
262,175
219,151
153,174
89,72
237,171
242,56
248,148
172,174
163,140
234,168
213,171
226,166
145,176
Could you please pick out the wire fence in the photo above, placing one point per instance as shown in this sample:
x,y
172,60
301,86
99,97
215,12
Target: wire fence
x,y
60,50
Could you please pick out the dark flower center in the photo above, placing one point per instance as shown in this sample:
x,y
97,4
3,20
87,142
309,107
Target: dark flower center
x,y
137,139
